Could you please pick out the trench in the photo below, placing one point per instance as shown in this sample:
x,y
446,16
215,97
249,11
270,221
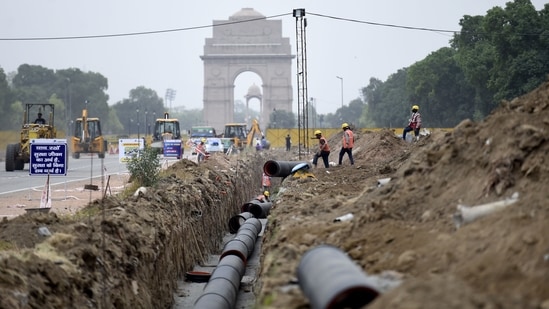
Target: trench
x,y
196,243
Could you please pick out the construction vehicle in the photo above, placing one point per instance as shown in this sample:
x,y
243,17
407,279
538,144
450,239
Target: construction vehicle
x,y
237,135
42,128
165,128
87,136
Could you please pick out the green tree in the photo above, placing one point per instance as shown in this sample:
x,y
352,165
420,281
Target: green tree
x,y
387,101
438,85
7,119
33,83
504,54
136,112
282,119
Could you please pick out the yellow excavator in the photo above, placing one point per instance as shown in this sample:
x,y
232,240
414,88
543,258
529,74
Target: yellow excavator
x,y
240,137
87,136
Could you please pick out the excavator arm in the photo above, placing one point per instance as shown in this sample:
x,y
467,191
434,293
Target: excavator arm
x,y
85,130
253,130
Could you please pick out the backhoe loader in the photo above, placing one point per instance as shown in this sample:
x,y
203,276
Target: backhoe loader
x,y
87,136
240,137
166,128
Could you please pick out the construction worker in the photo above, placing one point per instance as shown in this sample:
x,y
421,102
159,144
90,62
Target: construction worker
x,y
288,142
414,123
323,149
347,143
201,150
266,182
40,120
267,195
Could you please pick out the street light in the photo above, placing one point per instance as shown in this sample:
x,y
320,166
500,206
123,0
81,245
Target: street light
x,y
146,123
341,79
137,110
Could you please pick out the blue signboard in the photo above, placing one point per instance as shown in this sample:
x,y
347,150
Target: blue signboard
x,y
172,148
48,156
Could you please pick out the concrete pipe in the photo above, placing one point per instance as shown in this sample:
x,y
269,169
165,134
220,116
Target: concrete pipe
x,y
222,289
236,247
246,206
242,245
279,168
217,291
207,301
330,279
236,221
252,224
247,236
260,210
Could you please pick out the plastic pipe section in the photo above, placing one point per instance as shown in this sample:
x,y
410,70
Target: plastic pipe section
x,y
242,245
330,279
236,221
257,208
280,168
221,291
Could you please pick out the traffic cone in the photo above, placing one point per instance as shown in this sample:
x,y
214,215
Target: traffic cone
x,y
111,150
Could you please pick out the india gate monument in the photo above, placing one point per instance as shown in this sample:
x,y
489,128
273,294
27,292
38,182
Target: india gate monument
x,y
246,42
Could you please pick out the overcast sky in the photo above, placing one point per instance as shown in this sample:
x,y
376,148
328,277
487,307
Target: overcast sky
x,y
354,51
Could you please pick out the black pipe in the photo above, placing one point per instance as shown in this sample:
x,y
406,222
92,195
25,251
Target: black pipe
x,y
236,247
236,221
260,210
242,245
252,224
221,290
275,168
330,279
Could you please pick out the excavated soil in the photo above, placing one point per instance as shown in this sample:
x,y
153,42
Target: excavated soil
x,y
128,251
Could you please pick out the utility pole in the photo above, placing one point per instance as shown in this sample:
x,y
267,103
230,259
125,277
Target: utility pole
x,y
302,106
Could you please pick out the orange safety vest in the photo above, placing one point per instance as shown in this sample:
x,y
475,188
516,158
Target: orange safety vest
x,y
266,180
415,121
348,139
323,144
201,148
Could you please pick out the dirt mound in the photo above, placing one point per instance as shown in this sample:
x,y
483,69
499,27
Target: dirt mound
x,y
406,226
128,251
125,251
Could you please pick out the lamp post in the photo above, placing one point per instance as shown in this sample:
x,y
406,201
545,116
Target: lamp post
x,y
146,122
130,127
341,79
154,122
137,110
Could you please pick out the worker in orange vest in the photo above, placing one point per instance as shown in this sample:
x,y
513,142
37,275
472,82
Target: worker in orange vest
x,y
347,144
201,150
323,149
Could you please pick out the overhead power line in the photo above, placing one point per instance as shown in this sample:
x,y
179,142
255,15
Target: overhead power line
x,y
81,37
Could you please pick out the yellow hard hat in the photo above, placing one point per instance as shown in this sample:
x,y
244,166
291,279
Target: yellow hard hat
x,y
266,193
344,125
318,132
415,107
203,140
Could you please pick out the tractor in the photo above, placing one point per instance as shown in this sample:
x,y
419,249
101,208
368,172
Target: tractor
x,y
18,154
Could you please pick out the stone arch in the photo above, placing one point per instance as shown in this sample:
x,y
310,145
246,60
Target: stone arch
x,y
256,46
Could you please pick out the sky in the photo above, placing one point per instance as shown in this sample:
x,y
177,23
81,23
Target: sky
x,y
336,47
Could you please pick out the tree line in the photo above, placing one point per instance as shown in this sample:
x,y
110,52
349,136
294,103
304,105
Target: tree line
x,y
494,57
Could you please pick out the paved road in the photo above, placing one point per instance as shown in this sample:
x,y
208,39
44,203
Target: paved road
x,y
79,169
